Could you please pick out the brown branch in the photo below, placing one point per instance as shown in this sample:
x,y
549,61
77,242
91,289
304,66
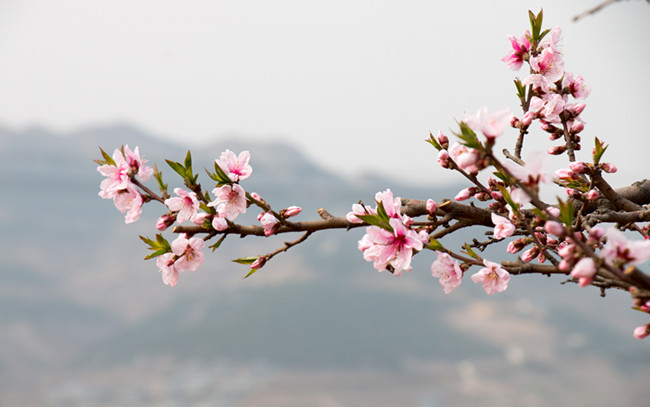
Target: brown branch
x,y
619,201
594,10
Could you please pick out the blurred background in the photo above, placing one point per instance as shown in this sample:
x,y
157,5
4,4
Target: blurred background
x,y
333,101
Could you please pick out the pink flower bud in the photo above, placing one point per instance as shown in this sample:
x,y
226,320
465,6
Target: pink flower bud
x,y
566,174
554,228
547,127
443,158
579,167
432,207
199,218
596,233
592,195
443,140
530,254
528,118
608,168
573,193
259,263
465,193
290,211
553,211
496,195
557,150
256,196
584,271
642,331
577,127
165,221
578,108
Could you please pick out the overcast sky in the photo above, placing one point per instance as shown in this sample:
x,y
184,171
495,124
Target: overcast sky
x,y
356,85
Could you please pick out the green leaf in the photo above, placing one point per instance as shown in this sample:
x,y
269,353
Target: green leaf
x,y
468,137
220,176
188,162
159,246
250,273
468,251
158,176
599,150
178,168
157,253
501,176
566,212
432,140
246,260
376,220
435,245
108,160
218,243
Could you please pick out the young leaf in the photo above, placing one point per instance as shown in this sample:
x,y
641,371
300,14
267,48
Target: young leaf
x,y
599,150
468,137
218,243
250,273
246,260
158,176
566,212
434,245
468,250
108,160
188,162
178,168
376,220
432,140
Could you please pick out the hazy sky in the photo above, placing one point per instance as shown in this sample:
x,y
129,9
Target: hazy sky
x,y
357,85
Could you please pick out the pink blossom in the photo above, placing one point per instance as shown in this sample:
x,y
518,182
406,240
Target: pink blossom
x,y
618,249
129,200
391,204
359,209
548,63
466,158
532,172
575,85
230,201
641,332
584,271
448,271
117,176
268,221
235,166
502,227
189,253
394,249
553,106
137,164
199,218
185,203
490,124
165,263
520,47
493,278
540,83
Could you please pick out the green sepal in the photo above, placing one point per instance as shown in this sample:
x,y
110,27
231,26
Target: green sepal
x,y
108,160
216,245
599,150
432,140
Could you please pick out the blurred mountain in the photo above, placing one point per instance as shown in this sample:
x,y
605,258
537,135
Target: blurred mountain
x,y
76,298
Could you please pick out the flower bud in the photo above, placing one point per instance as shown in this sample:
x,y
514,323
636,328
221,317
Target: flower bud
x,y
573,193
528,118
496,195
577,127
579,167
259,263
577,108
432,207
608,168
443,158
165,221
548,127
290,211
530,254
592,195
553,211
642,331
443,140
554,228
565,174
516,245
466,193
557,150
